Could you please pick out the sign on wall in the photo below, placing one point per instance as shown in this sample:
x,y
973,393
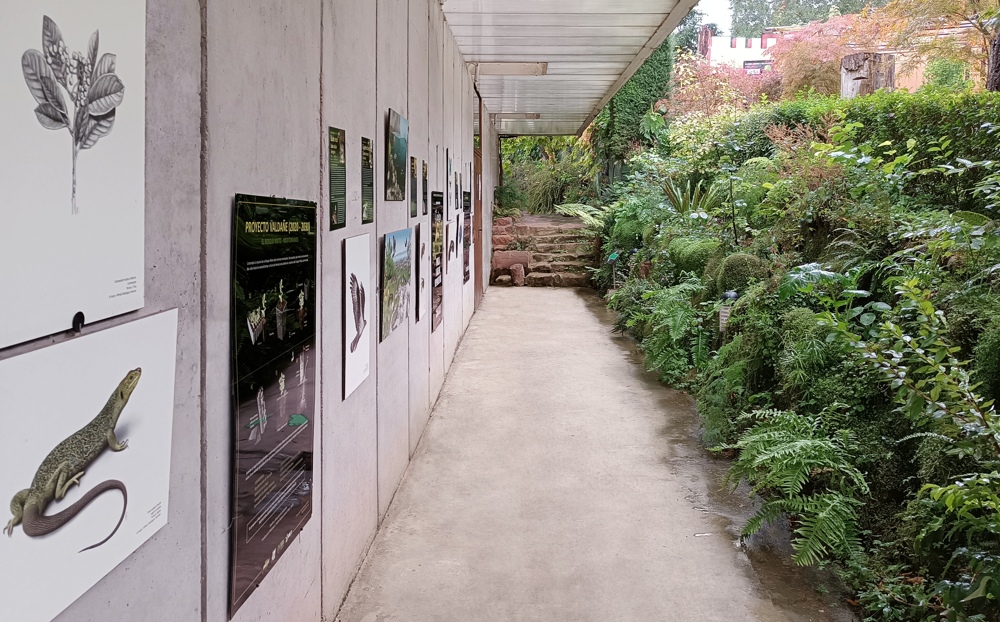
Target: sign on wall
x,y
72,114
413,187
437,259
96,412
367,182
338,178
274,383
466,232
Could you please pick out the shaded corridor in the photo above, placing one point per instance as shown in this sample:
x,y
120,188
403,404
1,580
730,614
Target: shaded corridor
x,y
550,486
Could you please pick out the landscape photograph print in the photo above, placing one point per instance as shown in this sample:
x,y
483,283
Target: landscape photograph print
x,y
396,140
397,271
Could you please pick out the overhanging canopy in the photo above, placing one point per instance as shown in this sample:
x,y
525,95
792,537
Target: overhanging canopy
x,y
591,48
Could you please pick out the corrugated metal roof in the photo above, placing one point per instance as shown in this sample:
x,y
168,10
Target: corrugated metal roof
x,y
591,46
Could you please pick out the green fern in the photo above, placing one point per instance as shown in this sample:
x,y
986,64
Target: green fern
x,y
805,471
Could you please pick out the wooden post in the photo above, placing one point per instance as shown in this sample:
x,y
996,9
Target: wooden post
x,y
865,72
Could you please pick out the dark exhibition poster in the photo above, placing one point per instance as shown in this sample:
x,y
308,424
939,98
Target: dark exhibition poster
x,y
274,384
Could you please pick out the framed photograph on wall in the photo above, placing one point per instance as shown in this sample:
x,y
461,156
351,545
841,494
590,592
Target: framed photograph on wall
x,y
397,272
396,145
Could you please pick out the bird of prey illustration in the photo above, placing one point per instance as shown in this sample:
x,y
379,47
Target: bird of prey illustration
x,y
358,299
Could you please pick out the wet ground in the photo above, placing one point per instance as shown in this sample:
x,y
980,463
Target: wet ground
x,y
557,480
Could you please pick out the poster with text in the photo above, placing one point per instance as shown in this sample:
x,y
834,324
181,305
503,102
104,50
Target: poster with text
x,y
274,383
358,324
467,233
425,189
95,412
367,182
338,178
73,117
413,187
437,259
397,273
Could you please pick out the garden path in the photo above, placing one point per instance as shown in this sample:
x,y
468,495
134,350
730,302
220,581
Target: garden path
x,y
557,482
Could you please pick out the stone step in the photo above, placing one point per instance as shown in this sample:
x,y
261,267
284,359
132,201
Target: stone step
x,y
565,248
577,267
556,279
550,257
561,239
542,230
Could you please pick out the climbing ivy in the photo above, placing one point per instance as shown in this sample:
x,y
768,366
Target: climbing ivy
x,y
617,127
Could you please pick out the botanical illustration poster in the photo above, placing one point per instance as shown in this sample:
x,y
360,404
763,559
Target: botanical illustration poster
x,y
367,181
110,395
437,259
358,322
413,187
73,115
467,233
274,383
395,157
425,189
338,179
397,272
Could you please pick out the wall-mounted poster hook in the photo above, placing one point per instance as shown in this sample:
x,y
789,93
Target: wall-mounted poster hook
x,y
78,322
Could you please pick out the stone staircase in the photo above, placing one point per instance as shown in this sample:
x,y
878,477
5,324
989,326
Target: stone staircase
x,y
541,251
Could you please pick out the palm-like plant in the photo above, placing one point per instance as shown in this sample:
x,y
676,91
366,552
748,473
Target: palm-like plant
x,y
693,200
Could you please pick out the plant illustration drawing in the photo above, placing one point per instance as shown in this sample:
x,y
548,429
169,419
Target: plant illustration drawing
x,y
94,90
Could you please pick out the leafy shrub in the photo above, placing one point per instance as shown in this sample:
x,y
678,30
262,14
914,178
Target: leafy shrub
x,y
739,270
692,254
988,361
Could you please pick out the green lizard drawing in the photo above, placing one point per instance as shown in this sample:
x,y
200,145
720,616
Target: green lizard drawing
x,y
64,466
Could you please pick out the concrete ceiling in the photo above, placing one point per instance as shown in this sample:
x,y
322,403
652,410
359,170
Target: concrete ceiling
x,y
591,47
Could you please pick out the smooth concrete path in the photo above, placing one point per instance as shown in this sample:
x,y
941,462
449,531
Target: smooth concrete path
x,y
546,488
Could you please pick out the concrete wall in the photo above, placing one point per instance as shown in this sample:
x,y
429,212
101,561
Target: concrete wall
x,y
239,97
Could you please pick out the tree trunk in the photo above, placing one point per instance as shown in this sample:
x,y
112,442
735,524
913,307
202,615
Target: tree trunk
x,y
993,66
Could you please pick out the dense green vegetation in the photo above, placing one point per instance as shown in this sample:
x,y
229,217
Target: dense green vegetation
x,y
854,383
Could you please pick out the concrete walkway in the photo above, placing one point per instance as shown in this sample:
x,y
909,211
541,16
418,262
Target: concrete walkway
x,y
546,488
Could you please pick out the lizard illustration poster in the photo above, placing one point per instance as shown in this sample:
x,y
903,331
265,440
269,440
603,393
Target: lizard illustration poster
x,y
358,320
72,111
274,384
97,413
